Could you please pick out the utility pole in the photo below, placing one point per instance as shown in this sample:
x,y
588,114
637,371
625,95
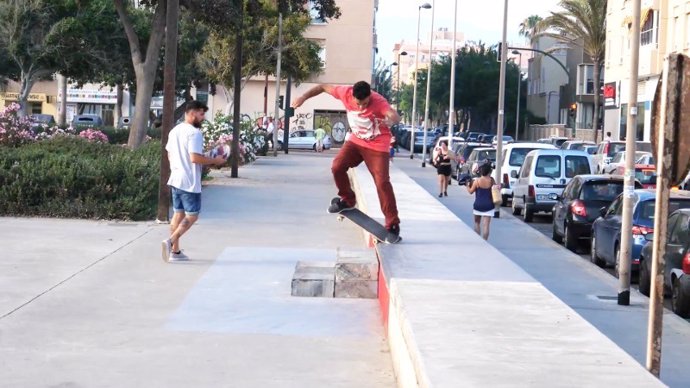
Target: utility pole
x,y
625,250
451,103
428,84
501,98
277,106
170,67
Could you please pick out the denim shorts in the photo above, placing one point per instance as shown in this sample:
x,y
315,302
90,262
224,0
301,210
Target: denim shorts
x,y
184,201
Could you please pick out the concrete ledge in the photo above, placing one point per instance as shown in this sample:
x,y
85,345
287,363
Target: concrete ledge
x,y
314,279
460,313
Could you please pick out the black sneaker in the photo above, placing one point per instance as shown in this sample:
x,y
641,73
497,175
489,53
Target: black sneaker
x,y
338,205
393,234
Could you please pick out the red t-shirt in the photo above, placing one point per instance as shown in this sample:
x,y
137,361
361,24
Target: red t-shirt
x,y
368,128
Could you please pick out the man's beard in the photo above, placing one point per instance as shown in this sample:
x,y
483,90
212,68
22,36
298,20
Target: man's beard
x,y
196,123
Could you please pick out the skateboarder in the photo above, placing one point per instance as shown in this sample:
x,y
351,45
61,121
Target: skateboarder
x,y
370,117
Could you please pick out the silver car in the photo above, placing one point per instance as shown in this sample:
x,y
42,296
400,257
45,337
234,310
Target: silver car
x,y
305,139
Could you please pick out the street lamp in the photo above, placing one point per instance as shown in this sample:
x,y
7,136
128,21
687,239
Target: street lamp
x,y
451,103
517,111
428,85
397,90
414,93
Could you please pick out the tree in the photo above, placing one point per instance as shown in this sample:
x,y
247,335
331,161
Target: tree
x,y
300,56
383,80
476,89
581,23
222,17
528,27
33,43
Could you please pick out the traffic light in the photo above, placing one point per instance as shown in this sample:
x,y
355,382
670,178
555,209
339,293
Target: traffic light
x,y
281,102
572,110
499,51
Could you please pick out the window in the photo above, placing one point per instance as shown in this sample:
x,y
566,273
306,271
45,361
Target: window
x,y
615,207
524,171
676,229
322,55
604,191
548,166
687,30
314,13
576,165
571,190
647,36
645,210
517,156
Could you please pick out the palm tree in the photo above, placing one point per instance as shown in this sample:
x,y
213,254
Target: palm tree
x,y
581,23
528,27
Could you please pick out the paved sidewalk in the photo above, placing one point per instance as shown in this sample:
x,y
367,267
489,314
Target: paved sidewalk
x,y
586,288
91,304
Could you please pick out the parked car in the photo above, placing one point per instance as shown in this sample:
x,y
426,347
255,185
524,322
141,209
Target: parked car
x,y
644,173
578,206
473,136
39,120
451,145
511,160
462,152
506,140
590,149
544,173
419,141
576,144
485,138
84,121
305,139
607,149
619,160
677,257
479,154
606,229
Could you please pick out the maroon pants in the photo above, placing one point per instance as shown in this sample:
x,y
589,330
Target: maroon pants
x,y
351,155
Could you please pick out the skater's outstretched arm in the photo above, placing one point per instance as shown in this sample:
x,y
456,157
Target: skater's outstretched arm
x,y
315,91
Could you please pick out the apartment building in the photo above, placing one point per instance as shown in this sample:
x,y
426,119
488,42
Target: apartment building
x,y
348,47
664,28
545,80
442,45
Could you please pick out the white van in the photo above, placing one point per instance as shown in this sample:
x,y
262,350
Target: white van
x,y
543,173
513,156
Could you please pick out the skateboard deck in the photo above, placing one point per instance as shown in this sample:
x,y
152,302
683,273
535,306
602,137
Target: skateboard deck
x,y
365,222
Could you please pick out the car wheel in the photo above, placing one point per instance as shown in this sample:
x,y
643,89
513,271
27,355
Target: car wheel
x,y
554,234
529,213
516,210
504,200
280,146
680,299
645,279
569,240
594,258
313,148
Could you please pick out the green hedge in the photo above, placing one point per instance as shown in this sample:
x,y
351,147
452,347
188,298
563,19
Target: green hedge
x,y
71,177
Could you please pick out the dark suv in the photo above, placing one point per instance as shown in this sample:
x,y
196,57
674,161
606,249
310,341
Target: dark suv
x,y
677,269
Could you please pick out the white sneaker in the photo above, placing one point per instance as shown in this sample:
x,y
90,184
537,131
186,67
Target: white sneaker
x,y
166,249
178,257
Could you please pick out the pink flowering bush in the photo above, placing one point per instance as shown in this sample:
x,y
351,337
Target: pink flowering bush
x,y
94,136
15,130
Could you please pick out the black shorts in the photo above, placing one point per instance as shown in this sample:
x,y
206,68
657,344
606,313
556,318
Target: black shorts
x,y
443,170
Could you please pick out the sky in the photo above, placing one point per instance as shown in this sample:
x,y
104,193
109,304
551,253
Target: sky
x,y
479,20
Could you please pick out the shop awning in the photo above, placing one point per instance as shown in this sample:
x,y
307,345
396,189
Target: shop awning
x,y
644,14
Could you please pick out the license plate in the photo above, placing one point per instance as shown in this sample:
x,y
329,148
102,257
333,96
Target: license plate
x,y
542,197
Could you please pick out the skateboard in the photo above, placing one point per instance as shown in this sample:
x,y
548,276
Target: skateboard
x,y
367,223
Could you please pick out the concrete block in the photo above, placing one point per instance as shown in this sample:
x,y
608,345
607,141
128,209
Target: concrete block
x,y
356,265
316,279
367,289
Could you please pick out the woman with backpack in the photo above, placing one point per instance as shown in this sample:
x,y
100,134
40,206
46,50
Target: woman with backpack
x,y
483,200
